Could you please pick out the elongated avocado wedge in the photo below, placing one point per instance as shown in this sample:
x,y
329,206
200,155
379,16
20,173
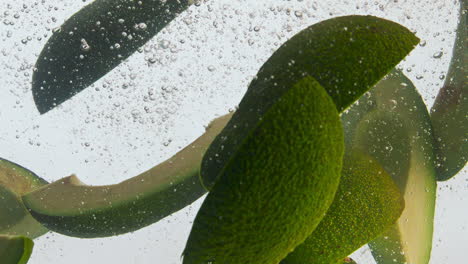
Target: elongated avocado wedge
x,y
72,208
15,249
15,181
346,55
94,41
277,187
410,239
366,204
449,113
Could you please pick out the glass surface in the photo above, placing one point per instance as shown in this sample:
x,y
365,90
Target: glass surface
x,y
162,97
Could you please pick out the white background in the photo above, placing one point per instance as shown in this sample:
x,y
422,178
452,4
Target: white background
x,y
160,100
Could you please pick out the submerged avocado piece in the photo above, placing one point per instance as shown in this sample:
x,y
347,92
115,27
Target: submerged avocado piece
x,y
366,204
15,249
277,187
410,163
15,181
247,215
72,208
346,55
84,48
449,113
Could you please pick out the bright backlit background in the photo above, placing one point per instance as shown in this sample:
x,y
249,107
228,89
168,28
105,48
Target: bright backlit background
x,y
160,100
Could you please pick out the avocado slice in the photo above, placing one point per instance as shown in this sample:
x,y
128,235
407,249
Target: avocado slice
x,y
367,192
15,249
277,187
72,208
249,218
346,55
15,181
449,113
410,163
84,48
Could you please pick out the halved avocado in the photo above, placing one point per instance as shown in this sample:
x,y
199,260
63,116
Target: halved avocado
x,y
93,42
72,208
449,113
366,204
391,107
15,249
16,181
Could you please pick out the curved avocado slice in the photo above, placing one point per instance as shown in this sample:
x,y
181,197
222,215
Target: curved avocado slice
x,y
366,204
72,208
249,218
346,55
15,181
94,41
449,113
277,187
15,249
411,163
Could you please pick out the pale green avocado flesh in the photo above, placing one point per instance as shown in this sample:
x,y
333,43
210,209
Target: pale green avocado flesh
x,y
16,181
15,249
72,208
376,125
366,204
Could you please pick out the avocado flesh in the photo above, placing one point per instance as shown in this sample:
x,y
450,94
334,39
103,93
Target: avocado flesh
x,y
16,181
15,249
72,208
329,52
449,113
410,240
367,192
83,49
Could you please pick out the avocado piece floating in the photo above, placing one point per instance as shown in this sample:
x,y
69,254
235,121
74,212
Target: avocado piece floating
x,y
15,181
233,225
366,204
346,55
277,187
93,42
410,163
449,113
72,208
15,249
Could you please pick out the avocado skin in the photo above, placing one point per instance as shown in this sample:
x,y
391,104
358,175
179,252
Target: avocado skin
x,y
64,67
328,53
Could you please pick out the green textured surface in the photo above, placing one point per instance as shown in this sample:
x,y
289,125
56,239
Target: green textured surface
x,y
15,181
72,208
449,113
15,249
61,72
346,55
278,186
395,97
366,204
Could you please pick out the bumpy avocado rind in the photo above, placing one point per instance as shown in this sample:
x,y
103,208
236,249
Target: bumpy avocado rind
x,y
72,208
94,41
449,113
15,249
277,187
385,43
15,181
366,204
395,106
346,55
